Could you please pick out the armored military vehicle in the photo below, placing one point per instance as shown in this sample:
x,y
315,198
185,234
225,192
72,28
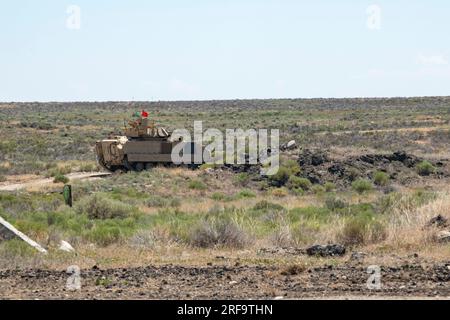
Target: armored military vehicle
x,y
142,146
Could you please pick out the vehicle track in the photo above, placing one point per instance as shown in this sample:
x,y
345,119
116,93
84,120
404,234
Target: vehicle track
x,y
14,186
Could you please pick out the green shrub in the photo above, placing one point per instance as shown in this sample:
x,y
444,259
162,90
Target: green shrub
x,y
162,202
8,198
298,191
352,173
2,178
295,182
174,202
246,193
263,185
32,228
293,166
281,177
381,178
156,201
309,213
242,179
329,186
16,248
100,207
333,203
425,168
218,196
287,168
57,171
105,235
61,179
266,205
109,231
221,233
317,189
354,231
362,185
361,229
7,146
37,125
197,185
88,167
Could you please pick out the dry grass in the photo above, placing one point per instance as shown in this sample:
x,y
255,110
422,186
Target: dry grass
x,y
406,227
205,205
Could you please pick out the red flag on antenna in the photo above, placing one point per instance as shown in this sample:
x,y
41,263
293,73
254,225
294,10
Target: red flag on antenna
x,y
144,114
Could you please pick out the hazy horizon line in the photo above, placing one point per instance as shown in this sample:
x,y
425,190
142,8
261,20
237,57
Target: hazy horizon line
x,y
230,99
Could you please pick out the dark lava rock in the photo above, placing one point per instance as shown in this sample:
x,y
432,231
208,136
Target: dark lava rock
x,y
356,256
307,157
401,156
319,168
314,178
337,169
438,221
442,272
371,158
329,250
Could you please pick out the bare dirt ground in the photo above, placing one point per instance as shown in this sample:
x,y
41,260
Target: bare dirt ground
x,y
15,183
348,281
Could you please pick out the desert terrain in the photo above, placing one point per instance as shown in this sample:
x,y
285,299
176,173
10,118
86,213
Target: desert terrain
x,y
366,187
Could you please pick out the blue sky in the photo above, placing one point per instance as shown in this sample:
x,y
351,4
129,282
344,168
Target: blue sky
x,y
222,49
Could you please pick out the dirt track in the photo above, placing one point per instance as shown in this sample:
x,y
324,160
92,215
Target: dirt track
x,y
230,282
13,186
